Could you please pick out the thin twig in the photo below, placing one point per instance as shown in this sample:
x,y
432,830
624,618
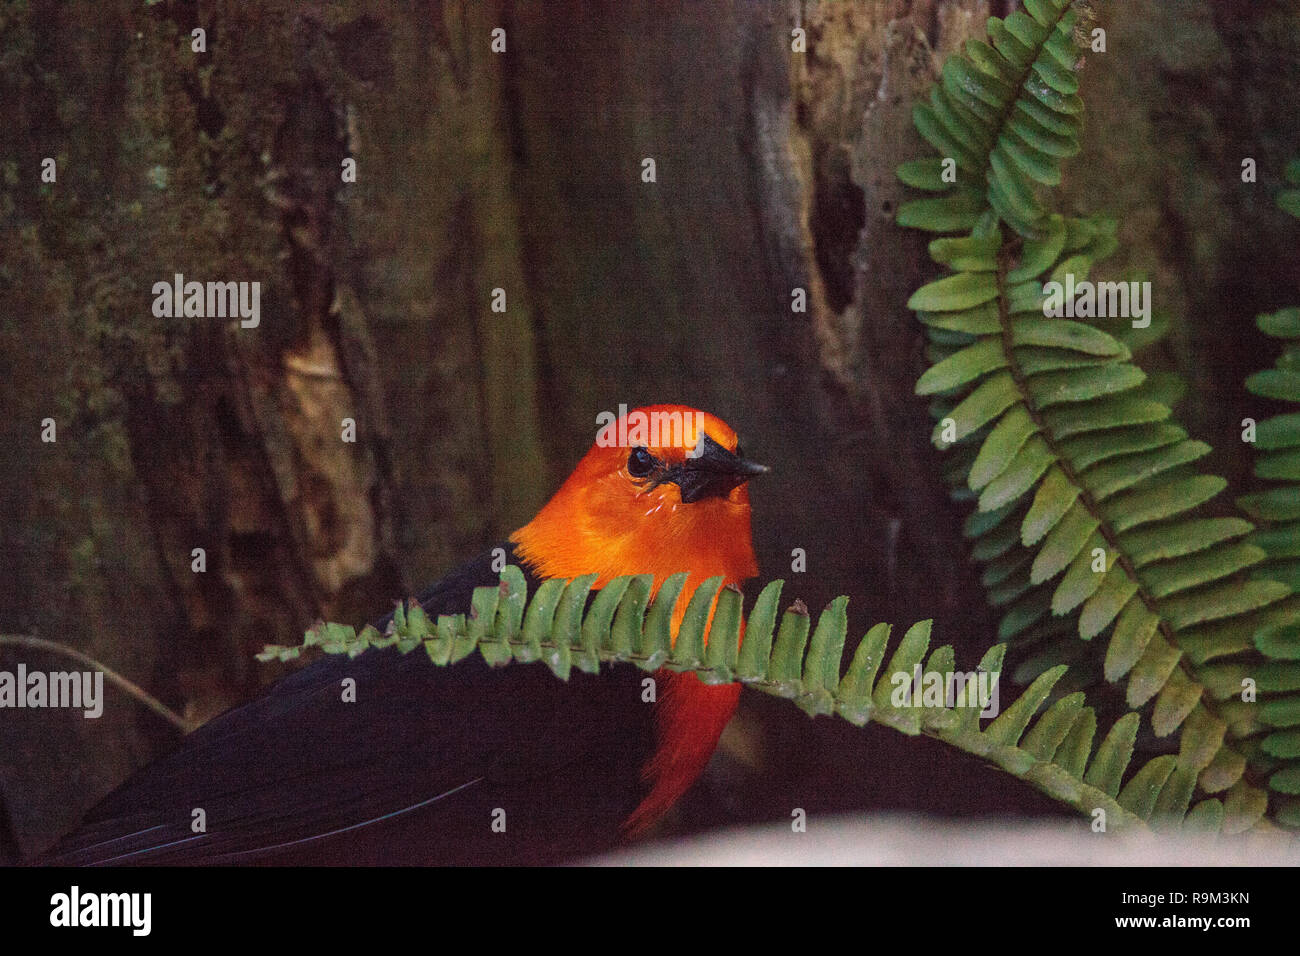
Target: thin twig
x,y
130,687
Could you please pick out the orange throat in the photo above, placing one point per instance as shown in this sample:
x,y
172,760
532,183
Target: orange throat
x,y
583,530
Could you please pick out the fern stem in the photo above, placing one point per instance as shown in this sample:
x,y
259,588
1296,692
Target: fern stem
x,y
1004,116
1067,467
1086,497
1038,773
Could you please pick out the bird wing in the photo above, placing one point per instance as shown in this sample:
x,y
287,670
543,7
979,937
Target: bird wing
x,y
461,764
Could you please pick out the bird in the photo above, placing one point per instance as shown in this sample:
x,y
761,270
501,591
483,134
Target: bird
x,y
471,764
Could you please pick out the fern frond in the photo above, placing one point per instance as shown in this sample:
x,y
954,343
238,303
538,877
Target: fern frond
x,y
1289,199
1003,116
1056,751
1087,500
1088,506
1277,509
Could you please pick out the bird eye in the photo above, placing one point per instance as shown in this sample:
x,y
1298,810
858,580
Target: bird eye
x,y
640,463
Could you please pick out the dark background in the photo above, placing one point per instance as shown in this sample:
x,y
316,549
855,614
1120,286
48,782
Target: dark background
x,y
522,171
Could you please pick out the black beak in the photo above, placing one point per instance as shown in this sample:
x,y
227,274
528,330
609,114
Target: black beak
x,y
712,472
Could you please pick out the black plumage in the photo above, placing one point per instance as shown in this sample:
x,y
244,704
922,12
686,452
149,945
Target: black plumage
x,y
412,772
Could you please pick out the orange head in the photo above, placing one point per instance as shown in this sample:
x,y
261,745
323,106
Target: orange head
x,y
661,491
